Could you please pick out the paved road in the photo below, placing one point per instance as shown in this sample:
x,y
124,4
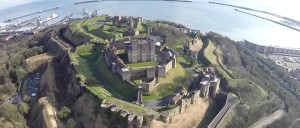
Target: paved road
x,y
15,99
269,119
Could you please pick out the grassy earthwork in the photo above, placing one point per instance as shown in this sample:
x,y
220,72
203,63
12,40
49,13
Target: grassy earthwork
x,y
90,69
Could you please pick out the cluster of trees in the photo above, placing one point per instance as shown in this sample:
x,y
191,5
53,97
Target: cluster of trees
x,y
12,116
12,57
65,115
172,35
245,63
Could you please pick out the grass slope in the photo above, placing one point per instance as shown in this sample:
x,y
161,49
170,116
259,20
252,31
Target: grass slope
x,y
253,102
173,79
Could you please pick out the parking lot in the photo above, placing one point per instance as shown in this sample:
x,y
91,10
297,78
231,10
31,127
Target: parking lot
x,y
33,84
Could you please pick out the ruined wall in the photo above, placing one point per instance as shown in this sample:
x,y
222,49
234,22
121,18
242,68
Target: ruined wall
x,y
168,65
184,105
150,72
138,72
161,71
150,86
75,38
215,87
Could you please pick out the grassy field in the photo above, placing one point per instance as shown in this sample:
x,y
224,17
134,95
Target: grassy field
x,y
142,64
174,79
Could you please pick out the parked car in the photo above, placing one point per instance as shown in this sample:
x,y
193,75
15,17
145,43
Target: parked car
x,y
33,94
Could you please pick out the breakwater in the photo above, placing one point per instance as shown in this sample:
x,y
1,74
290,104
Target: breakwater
x,y
277,22
90,1
9,20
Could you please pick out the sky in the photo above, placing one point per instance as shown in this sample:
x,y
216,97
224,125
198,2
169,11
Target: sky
x,y
10,3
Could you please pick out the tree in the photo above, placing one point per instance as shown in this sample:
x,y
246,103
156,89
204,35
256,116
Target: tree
x,y
191,60
20,72
64,113
71,123
10,115
26,98
23,108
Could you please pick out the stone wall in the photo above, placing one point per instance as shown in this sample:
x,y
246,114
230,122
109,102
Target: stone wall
x,y
151,72
126,75
138,72
150,86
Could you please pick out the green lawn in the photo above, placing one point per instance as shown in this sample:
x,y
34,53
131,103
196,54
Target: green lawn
x,y
142,64
87,51
174,79
114,80
183,60
136,80
103,94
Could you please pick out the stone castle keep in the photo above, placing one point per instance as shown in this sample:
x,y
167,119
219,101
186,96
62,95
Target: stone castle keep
x,y
140,49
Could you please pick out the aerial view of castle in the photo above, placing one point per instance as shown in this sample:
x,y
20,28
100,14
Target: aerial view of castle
x,y
126,71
